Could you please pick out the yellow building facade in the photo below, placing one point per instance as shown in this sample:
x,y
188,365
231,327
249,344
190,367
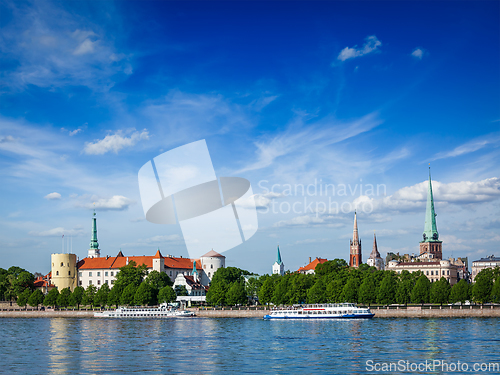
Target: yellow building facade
x,y
64,274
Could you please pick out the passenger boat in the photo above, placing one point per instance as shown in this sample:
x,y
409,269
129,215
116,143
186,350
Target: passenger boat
x,y
163,311
324,311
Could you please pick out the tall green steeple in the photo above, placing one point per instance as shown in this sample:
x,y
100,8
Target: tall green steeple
x,y
430,230
94,245
278,256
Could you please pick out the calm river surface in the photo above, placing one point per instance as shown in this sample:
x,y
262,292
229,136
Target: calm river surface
x,y
208,345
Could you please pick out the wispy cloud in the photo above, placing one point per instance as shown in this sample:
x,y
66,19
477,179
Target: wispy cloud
x,y
58,232
470,146
371,45
299,138
114,142
115,203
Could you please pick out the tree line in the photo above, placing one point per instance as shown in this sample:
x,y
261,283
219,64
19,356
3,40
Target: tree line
x,y
335,282
133,286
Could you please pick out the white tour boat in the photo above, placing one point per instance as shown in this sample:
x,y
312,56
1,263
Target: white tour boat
x,y
324,311
163,311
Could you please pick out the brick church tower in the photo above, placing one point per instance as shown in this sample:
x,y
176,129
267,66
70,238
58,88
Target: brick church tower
x,y
431,243
355,258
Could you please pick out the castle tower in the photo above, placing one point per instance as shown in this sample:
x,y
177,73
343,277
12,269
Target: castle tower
x,y
278,266
211,262
431,243
375,260
63,271
355,258
94,251
158,262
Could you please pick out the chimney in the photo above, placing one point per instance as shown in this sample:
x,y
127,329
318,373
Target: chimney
x,y
126,262
309,259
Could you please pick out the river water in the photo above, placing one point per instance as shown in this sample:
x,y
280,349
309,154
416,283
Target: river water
x,y
245,345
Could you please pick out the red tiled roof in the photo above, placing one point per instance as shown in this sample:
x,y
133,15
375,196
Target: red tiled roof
x,y
312,265
121,261
193,284
40,282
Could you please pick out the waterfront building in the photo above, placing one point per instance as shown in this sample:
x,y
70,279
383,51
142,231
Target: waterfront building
x,y
97,270
375,260
311,267
196,291
63,271
483,263
430,243
355,258
43,283
433,270
278,266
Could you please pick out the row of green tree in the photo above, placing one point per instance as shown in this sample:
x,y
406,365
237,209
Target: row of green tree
x,y
133,286
335,282
14,281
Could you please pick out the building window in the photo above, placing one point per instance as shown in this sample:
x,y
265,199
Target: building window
x,y
52,264
211,266
90,282
106,281
432,273
98,274
79,274
80,282
427,273
204,266
90,274
57,273
98,282
69,273
448,272
106,273
111,273
170,273
68,264
209,274
62,264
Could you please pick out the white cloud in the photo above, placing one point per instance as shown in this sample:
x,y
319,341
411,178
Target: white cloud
x,y
418,53
57,232
470,146
53,196
74,132
87,46
116,202
371,44
309,220
7,138
114,142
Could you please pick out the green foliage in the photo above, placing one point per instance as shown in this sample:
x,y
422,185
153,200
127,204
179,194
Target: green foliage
x,y
386,294
495,291
130,274
64,297
334,291
367,293
114,297
145,295
89,295
460,292
222,280
317,293
403,291
350,290
481,291
236,294
180,290
329,267
101,297
36,298
166,294
158,280
128,295
266,291
51,297
440,291
421,290
77,296
22,300
252,286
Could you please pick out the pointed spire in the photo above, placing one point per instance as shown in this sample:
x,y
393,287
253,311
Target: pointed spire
x,y
158,254
430,228
374,254
278,256
195,271
355,237
93,242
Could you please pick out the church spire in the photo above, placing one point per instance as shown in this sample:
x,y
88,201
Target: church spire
x,y
94,251
355,236
430,229
278,256
375,252
355,257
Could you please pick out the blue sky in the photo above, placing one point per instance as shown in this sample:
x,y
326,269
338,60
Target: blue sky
x,y
285,93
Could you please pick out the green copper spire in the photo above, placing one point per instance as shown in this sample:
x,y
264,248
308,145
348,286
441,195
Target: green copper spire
x,y
430,230
93,242
278,256
195,271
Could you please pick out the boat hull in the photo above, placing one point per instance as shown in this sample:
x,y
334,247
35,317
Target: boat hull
x,y
348,316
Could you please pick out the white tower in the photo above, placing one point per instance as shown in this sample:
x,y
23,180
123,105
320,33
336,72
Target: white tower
x,y
375,260
211,262
278,266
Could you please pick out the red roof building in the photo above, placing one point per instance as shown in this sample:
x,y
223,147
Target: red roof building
x,y
310,268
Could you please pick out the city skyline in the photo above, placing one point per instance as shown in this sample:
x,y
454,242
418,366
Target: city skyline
x,y
324,94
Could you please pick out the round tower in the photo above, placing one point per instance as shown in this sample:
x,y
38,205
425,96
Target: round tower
x,y
211,262
64,271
